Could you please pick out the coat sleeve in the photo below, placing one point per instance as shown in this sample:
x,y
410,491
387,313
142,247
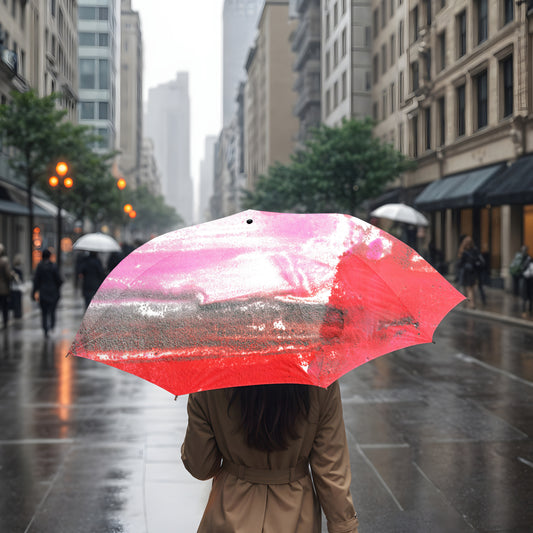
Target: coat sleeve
x,y
330,464
199,452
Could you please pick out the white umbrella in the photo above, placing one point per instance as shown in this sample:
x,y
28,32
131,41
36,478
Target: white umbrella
x,y
401,213
97,242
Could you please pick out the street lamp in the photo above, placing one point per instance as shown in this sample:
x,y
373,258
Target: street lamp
x,y
56,182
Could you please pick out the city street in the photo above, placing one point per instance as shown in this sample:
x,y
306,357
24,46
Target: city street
x,y
441,436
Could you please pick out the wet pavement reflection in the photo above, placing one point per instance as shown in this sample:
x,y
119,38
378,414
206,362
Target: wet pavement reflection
x,y
441,436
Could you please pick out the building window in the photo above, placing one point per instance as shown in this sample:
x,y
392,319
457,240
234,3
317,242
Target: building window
x,y
375,110
86,38
460,24
52,7
400,37
400,137
368,36
103,142
414,24
344,86
375,66
508,11
103,74
506,69
328,102
328,22
335,95
414,136
415,82
343,43
86,110
103,110
392,7
86,13
441,106
441,43
335,15
392,97
427,124
87,74
427,6
480,83
400,86
461,123
103,39
103,13
482,20
343,6
383,13
367,81
375,22
328,64
384,104
335,54
392,49
383,58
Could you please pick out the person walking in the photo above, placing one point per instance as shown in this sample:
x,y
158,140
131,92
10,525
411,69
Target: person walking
x,y
17,286
526,287
92,273
260,445
5,280
470,262
517,267
46,284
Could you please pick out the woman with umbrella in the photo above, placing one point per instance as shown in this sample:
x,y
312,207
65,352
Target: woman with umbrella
x,y
258,443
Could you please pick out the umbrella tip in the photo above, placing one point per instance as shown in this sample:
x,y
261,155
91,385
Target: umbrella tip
x,y
176,398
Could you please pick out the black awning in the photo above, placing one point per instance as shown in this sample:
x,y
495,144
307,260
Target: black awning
x,y
13,202
515,184
467,189
387,197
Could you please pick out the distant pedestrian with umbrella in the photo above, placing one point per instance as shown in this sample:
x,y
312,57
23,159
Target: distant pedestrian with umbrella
x,y
46,290
92,273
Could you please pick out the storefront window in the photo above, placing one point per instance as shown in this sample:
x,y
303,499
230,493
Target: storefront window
x,y
528,227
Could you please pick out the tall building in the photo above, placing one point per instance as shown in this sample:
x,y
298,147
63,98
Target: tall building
x,y
98,22
149,173
168,125
38,50
131,97
346,59
270,127
305,41
207,176
452,90
238,31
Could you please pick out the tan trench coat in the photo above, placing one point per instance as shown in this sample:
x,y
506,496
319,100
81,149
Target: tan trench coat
x,y
239,506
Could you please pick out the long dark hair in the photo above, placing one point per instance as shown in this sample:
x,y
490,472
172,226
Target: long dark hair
x,y
269,413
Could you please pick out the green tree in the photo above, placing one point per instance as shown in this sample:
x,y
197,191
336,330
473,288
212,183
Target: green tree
x,y
337,170
30,129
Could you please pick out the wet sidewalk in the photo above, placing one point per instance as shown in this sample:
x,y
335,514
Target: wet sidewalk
x,y
88,448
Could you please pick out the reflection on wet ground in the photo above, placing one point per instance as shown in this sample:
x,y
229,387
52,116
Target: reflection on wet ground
x,y
440,436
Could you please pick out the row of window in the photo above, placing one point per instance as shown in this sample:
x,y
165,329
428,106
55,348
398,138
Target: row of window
x,y
94,110
336,95
93,39
336,17
94,73
336,56
93,13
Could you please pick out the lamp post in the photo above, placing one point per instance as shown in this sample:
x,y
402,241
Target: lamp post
x,y
56,183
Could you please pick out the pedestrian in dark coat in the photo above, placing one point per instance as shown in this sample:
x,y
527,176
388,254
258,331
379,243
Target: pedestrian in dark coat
x,y
92,273
470,263
5,281
46,285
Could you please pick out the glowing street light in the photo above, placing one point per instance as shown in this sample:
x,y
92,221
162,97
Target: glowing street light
x,y
121,184
132,213
55,182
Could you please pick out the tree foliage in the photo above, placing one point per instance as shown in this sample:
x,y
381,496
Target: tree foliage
x,y
336,171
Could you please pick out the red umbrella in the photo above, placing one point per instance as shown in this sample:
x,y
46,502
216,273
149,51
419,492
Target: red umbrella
x,y
262,298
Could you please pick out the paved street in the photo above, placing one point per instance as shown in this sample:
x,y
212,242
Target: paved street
x,y
441,436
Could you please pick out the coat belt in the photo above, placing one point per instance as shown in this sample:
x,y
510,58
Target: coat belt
x,y
266,476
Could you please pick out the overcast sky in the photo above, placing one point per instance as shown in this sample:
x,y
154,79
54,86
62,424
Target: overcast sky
x,y
186,35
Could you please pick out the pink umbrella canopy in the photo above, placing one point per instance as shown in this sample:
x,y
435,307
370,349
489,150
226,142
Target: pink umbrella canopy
x,y
261,297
